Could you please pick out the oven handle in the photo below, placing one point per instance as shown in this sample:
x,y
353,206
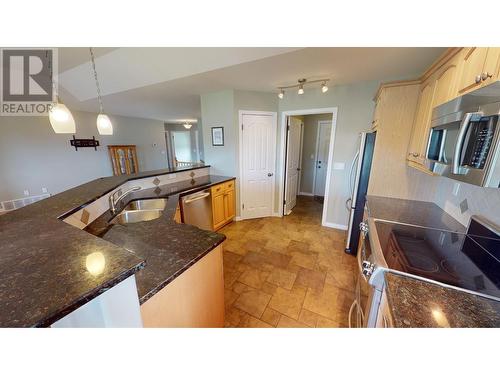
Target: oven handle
x,y
464,127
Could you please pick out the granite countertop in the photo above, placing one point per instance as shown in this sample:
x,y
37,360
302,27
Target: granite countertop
x,y
43,260
169,248
417,303
420,213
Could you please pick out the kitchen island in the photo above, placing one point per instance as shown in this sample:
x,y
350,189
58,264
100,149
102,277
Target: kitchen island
x,y
44,264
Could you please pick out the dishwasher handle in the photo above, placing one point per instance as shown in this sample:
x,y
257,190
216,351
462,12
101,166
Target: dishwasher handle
x,y
196,198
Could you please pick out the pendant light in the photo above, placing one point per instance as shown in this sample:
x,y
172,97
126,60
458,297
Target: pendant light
x,y
60,117
187,125
324,87
281,94
301,90
104,125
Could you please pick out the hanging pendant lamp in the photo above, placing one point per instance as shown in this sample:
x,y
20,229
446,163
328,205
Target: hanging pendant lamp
x,y
104,125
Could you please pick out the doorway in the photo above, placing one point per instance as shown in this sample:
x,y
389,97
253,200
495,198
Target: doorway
x,y
306,157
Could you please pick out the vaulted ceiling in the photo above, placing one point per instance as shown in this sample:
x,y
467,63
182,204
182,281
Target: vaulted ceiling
x,y
166,83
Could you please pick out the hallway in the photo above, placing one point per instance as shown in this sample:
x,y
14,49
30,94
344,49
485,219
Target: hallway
x,y
287,272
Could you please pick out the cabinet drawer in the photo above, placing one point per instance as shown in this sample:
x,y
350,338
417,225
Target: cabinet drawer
x,y
217,189
229,185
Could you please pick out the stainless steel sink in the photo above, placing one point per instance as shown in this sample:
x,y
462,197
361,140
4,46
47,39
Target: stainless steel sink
x,y
136,216
146,204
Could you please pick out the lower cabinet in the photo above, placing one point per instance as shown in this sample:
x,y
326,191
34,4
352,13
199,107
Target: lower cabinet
x,y
223,204
194,299
384,319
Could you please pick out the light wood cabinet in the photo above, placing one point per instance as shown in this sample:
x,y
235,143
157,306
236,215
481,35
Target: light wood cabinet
x,y
123,159
377,113
416,149
479,68
389,172
223,204
195,299
446,82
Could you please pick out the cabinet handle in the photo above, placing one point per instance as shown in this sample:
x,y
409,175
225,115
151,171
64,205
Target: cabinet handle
x,y
414,154
478,78
486,75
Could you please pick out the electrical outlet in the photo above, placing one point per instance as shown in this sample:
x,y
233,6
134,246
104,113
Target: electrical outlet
x,y
26,193
171,176
44,190
456,188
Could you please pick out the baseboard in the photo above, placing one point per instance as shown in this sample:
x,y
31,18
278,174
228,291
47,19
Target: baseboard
x,y
238,218
306,194
276,214
334,225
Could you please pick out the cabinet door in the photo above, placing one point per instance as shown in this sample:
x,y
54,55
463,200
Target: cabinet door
x,y
472,67
218,210
418,140
445,86
492,66
229,205
378,110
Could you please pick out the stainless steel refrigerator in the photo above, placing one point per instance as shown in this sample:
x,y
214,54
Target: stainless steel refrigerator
x,y
359,177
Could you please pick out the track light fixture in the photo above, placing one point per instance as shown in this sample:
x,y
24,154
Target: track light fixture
x,y
301,83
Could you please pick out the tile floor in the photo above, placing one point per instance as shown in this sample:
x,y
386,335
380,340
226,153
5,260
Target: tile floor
x,y
287,272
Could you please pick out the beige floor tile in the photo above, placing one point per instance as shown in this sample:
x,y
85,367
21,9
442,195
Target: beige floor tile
x,y
269,288
230,277
341,278
253,302
256,260
288,302
311,279
253,277
240,287
233,317
271,316
229,297
277,259
251,322
327,323
329,303
235,247
308,318
231,259
282,278
286,322
305,260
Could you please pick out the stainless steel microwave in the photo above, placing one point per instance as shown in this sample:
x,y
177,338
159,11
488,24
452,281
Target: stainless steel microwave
x,y
464,142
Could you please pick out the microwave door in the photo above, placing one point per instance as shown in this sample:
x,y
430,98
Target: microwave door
x,y
459,146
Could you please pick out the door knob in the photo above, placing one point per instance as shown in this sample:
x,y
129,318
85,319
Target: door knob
x,y
486,75
269,175
478,78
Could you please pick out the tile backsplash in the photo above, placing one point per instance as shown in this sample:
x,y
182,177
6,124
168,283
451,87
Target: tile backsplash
x,y
461,201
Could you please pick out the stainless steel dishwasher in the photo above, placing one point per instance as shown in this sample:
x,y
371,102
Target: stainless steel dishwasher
x,y
197,209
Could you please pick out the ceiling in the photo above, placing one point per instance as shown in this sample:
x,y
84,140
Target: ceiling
x,y
166,83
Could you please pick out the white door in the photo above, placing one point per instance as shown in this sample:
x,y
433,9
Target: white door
x,y
292,163
322,148
181,140
258,155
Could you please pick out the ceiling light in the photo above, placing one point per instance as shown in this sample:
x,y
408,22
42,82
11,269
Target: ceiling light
x,y
281,94
104,125
188,126
61,119
324,87
301,90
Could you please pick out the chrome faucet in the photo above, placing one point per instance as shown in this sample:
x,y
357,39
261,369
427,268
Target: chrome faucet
x,y
113,201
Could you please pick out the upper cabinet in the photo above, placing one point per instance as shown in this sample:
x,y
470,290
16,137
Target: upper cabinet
x,y
458,71
479,68
379,103
418,140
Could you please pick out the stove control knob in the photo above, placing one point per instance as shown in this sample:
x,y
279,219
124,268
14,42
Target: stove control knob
x,y
367,268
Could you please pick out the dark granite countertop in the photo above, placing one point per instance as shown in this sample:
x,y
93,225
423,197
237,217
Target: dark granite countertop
x,y
43,272
426,214
416,303
169,248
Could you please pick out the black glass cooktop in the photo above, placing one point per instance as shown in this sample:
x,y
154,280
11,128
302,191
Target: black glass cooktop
x,y
467,260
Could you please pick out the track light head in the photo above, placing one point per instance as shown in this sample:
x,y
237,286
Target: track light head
x,y
324,87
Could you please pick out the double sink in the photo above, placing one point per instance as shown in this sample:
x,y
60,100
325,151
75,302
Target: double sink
x,y
140,210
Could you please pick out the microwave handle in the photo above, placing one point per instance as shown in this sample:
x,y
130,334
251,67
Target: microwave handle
x,y
464,127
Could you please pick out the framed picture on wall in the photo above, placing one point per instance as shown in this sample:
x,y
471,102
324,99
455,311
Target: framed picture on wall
x,y
218,136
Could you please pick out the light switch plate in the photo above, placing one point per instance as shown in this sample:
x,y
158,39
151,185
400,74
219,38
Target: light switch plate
x,y
171,176
339,166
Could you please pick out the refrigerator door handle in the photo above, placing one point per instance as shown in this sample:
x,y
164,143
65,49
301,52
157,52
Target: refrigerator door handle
x,y
353,164
348,204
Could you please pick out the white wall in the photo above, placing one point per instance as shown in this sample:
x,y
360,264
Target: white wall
x,y
32,156
355,112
